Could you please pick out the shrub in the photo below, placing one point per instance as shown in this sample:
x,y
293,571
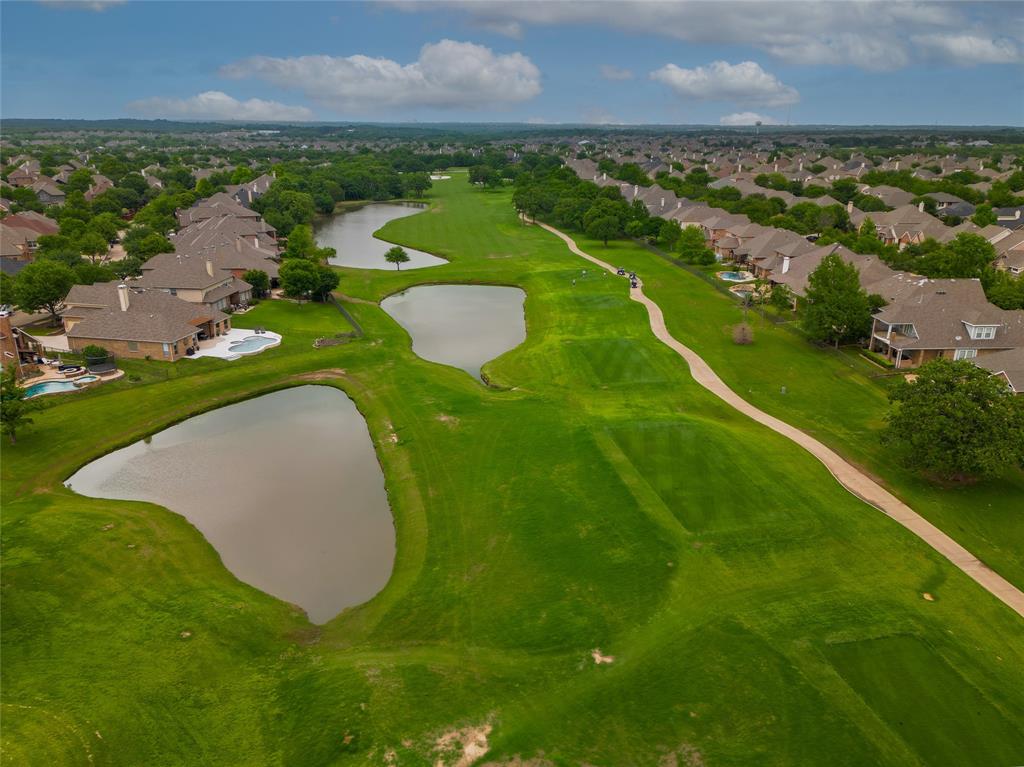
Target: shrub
x,y
742,334
94,352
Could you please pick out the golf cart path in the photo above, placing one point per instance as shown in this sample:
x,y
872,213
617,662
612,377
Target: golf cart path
x,y
850,477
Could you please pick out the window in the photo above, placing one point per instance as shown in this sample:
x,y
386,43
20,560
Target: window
x,y
173,291
965,354
982,331
133,346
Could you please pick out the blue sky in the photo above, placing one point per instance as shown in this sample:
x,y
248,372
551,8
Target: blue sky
x,y
453,60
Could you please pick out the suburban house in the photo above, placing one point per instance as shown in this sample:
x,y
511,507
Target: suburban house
x,y
948,318
194,279
215,205
1008,364
137,323
48,191
876,277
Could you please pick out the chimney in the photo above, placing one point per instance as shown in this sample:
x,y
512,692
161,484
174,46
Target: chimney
x,y
209,267
801,165
785,264
255,241
604,176
849,207
238,244
663,202
122,296
679,204
897,165
636,190
982,165
920,206
776,167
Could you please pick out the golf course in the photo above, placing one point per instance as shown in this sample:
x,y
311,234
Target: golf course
x,y
597,560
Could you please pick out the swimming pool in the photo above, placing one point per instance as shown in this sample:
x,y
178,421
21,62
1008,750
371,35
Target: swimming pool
x,y
251,344
55,387
735,276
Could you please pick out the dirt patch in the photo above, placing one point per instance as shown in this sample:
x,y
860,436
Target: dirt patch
x,y
684,756
465,746
392,436
322,375
518,761
448,420
927,597
599,658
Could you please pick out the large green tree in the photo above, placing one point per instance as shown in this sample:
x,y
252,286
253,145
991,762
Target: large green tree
x,y
603,228
693,248
955,421
43,284
837,307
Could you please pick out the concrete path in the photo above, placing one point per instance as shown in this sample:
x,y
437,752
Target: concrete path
x,y
850,477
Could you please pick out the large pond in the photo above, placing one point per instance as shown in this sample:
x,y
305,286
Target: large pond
x,y
285,486
351,235
460,325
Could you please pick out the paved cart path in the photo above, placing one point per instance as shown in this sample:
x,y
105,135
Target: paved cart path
x,y
849,476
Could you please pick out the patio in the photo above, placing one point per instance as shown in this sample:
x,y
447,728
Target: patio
x,y
221,346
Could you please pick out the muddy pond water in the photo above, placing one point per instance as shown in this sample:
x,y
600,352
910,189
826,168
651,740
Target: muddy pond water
x,y
460,325
286,487
351,235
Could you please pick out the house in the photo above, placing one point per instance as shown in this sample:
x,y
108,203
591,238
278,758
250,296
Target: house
x,y
890,195
906,225
195,279
1011,218
100,184
29,219
1008,364
943,200
944,318
220,204
48,191
137,323
250,191
1010,252
876,277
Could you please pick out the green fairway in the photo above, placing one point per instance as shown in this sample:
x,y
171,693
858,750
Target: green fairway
x,y
594,499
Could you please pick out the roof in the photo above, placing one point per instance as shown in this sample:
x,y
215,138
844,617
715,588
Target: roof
x,y
939,310
1009,364
152,315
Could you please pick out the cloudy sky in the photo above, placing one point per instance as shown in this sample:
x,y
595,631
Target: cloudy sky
x,y
540,61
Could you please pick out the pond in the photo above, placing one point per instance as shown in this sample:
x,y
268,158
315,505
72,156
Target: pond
x,y
460,325
286,487
351,235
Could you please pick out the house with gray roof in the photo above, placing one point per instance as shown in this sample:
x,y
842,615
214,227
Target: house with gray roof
x,y
137,323
1009,365
948,318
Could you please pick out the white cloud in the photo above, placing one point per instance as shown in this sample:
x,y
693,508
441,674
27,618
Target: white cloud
x,y
216,105
448,74
743,83
868,34
609,72
747,118
968,49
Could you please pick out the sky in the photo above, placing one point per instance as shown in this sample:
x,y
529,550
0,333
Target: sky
x,y
539,61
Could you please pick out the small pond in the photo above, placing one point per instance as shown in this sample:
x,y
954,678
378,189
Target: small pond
x,y
351,235
460,325
286,487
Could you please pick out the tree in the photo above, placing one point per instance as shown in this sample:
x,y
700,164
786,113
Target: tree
x,y
781,298
603,228
327,280
968,255
79,181
416,184
669,234
43,284
299,277
692,247
143,243
635,228
396,256
93,246
984,215
15,408
955,421
837,306
259,280
130,266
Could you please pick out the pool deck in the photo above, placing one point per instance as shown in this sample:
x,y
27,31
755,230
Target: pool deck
x,y
218,347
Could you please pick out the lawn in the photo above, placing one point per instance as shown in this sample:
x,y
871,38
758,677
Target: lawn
x,y
598,499
838,397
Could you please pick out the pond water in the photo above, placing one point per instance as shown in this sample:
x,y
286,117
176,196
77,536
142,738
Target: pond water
x,y
351,234
460,325
286,487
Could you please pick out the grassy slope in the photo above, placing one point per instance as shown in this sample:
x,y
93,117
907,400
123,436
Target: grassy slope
x,y
832,396
601,500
